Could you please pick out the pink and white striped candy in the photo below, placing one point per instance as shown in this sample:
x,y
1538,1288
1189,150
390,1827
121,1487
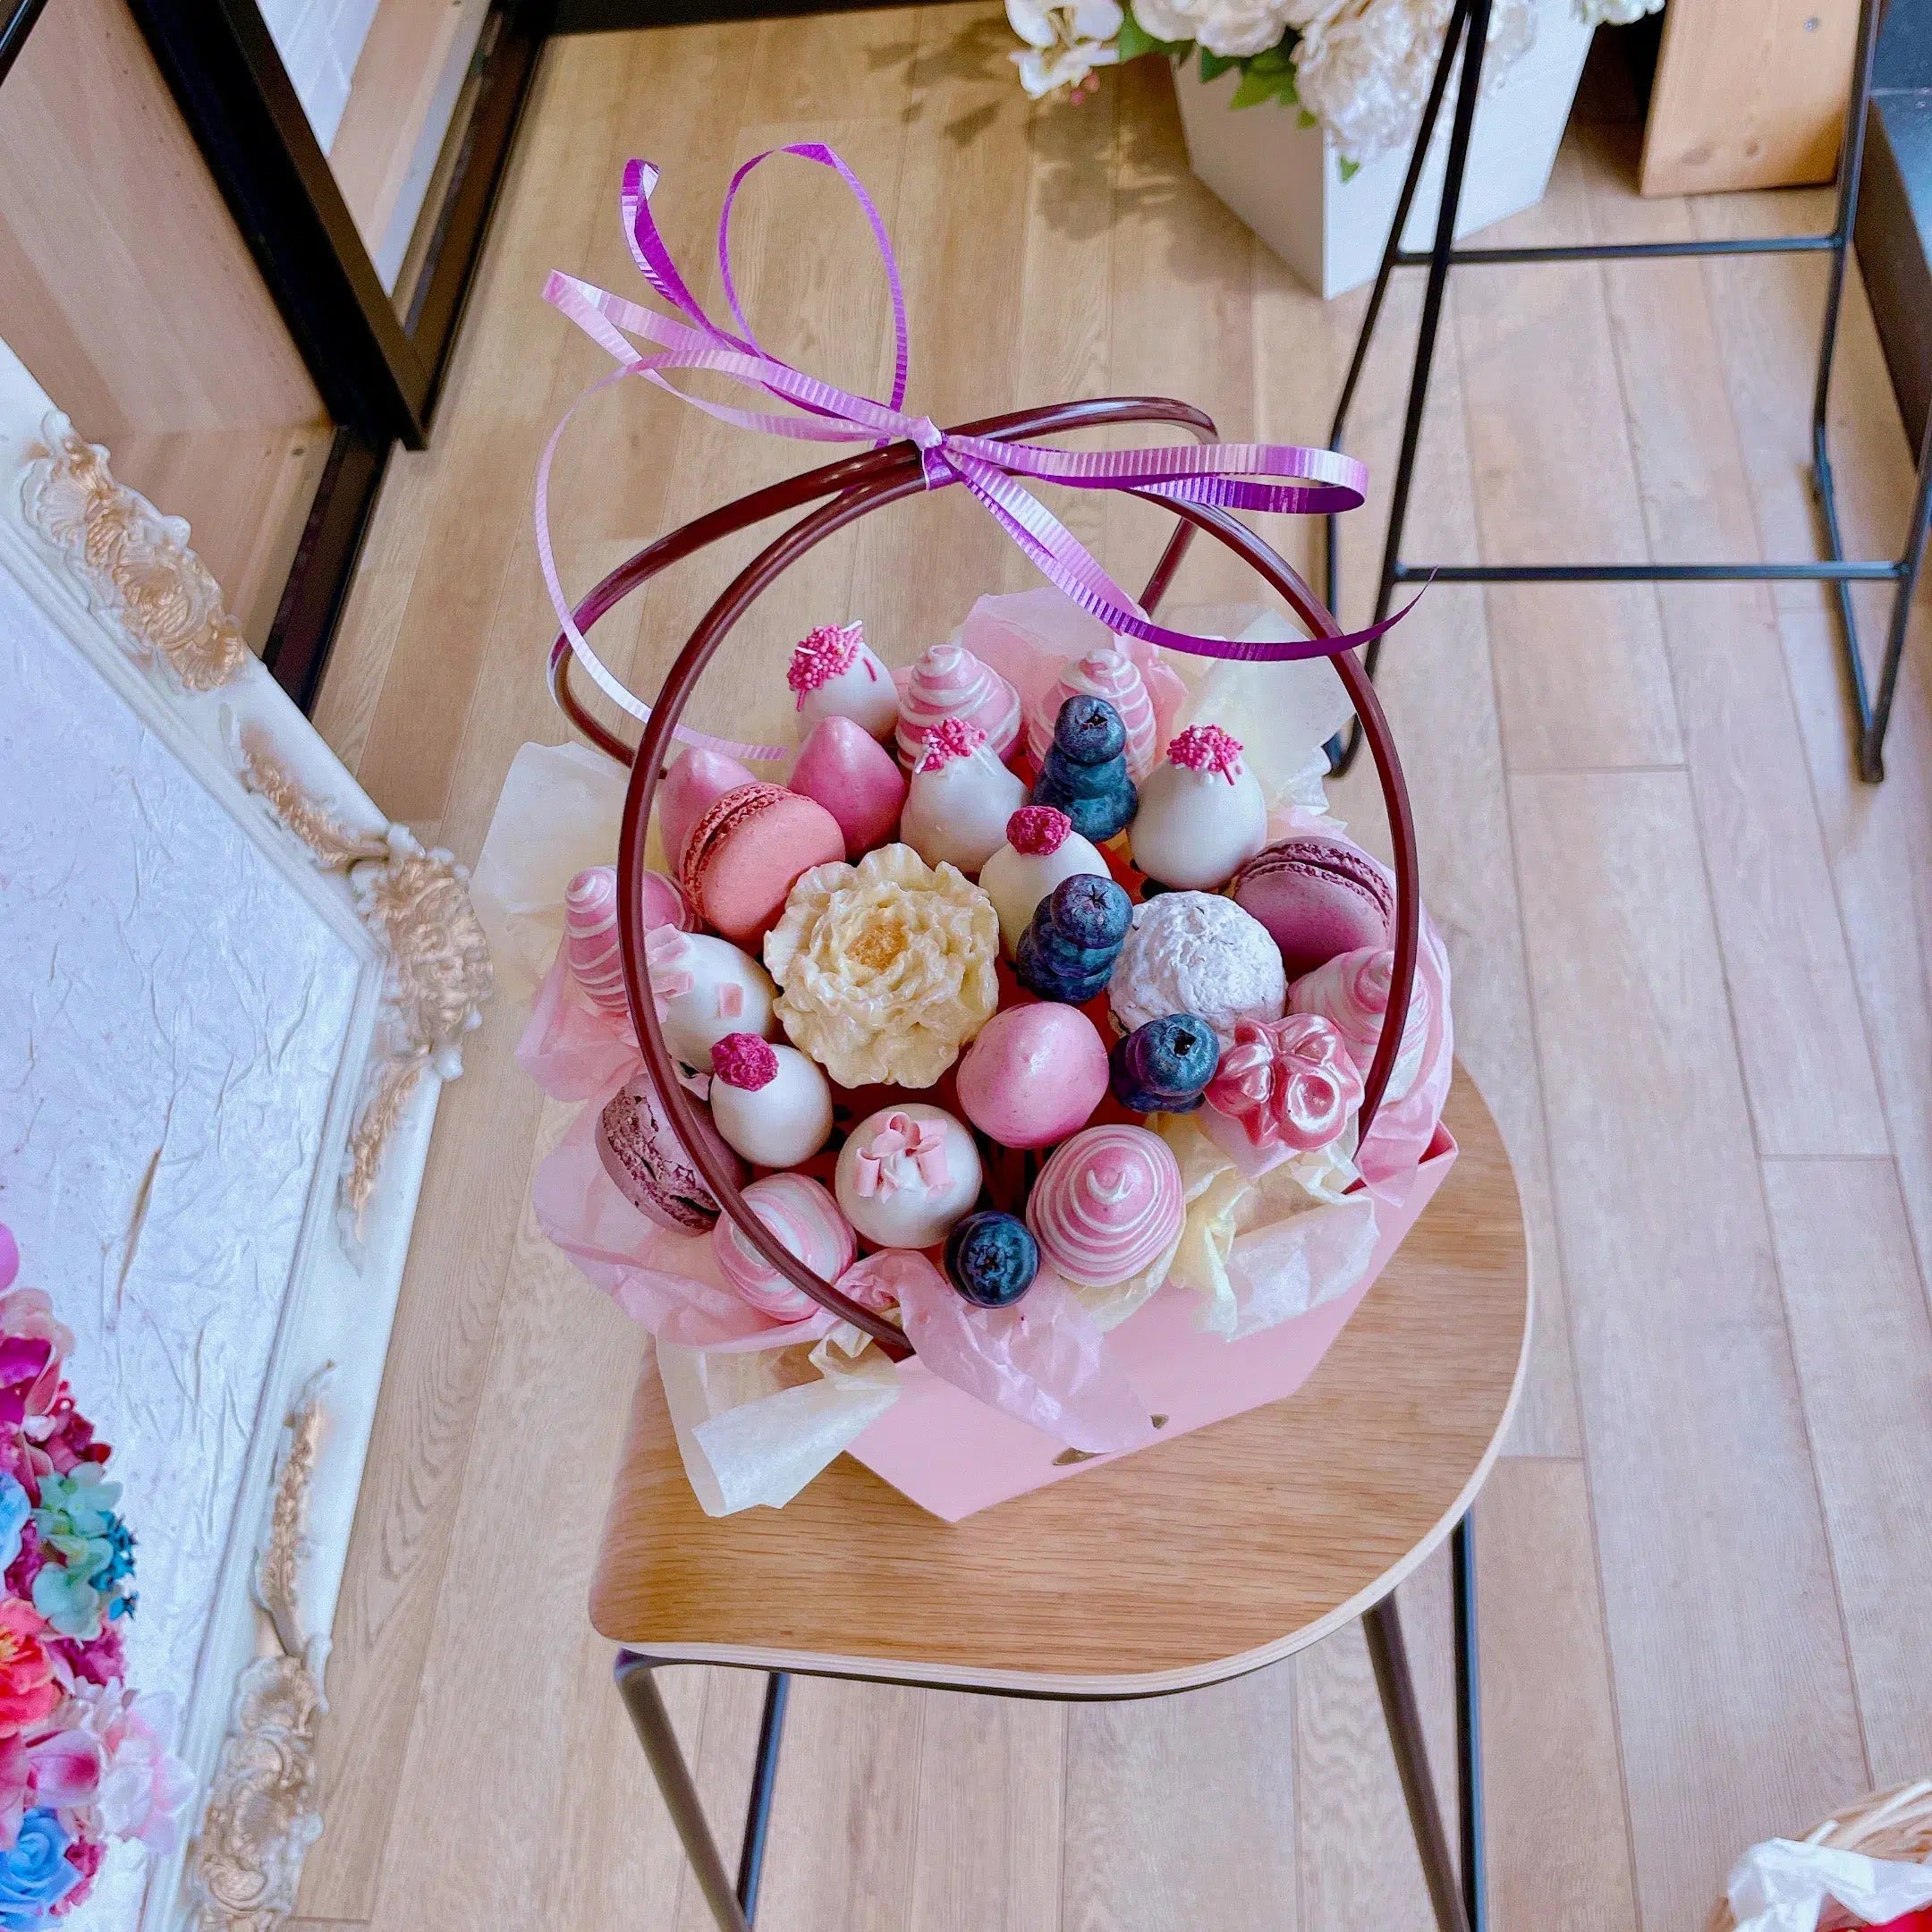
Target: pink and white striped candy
x,y
1107,1205
807,1223
591,929
1351,992
949,682
1102,673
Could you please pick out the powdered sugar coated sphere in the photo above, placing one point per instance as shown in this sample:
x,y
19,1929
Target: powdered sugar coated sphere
x,y
1197,953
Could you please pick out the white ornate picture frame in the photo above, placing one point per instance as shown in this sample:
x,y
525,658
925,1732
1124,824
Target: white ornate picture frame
x,y
230,991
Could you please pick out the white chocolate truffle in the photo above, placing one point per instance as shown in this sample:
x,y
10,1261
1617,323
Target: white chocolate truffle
x,y
961,798
1042,849
1197,953
703,990
834,674
906,1174
1202,813
770,1102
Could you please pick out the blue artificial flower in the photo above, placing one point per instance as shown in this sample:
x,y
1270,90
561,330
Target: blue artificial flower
x,y
35,1876
15,1510
70,1604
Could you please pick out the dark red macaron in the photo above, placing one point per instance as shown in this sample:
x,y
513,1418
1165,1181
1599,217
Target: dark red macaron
x,y
1319,897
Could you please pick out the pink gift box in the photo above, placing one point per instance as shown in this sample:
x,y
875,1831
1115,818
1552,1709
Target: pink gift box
x,y
954,1456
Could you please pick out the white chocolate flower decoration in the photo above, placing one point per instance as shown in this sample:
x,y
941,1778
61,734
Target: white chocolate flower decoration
x,y
884,969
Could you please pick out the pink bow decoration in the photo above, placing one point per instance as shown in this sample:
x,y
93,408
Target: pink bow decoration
x,y
1236,476
1287,1082
901,1150
667,967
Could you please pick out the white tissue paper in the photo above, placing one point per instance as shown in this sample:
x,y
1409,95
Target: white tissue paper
x,y
1784,1886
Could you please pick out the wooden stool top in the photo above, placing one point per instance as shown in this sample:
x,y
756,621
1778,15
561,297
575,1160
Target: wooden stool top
x,y
1193,1559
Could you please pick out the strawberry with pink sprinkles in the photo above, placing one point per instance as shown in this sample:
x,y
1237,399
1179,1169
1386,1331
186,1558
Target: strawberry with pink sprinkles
x,y
832,674
1207,748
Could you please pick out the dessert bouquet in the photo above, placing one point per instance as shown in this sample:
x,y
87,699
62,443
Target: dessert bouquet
x,y
1006,1083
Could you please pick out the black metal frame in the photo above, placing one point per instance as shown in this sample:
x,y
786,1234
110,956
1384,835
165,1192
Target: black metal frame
x,y
1467,28
1457,1885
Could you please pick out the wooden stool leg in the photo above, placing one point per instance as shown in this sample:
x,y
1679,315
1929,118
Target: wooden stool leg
x,y
1390,1656
652,1723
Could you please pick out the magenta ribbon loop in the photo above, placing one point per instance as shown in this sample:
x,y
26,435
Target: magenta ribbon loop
x,y
1278,477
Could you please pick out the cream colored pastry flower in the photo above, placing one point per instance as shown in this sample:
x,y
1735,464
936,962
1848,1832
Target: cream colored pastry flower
x,y
884,969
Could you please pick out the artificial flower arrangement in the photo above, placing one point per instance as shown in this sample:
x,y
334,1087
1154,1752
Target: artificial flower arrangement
x,y
1359,68
84,1757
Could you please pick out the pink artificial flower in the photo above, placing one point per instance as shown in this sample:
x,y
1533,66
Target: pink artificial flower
x,y
16,1777
27,1691
61,1436
142,1785
29,1313
98,1660
28,1564
85,1855
66,1766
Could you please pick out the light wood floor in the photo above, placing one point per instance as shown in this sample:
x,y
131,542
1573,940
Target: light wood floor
x,y
1691,978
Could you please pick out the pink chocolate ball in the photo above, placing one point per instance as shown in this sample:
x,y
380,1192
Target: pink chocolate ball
x,y
1034,1075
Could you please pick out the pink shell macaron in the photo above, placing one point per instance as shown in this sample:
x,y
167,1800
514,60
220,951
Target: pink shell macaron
x,y
1103,673
961,798
1319,897
832,674
949,682
1351,993
770,1102
704,989
845,770
906,1174
809,1226
1202,812
643,1156
745,851
591,929
1033,1075
1107,1204
1041,850
693,782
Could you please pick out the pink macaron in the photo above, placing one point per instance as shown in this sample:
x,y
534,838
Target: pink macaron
x,y
1033,1075
652,1168
746,849
1318,897
693,782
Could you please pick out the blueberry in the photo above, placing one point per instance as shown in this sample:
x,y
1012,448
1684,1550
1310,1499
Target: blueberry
x,y
1090,911
992,1259
1088,731
1164,1066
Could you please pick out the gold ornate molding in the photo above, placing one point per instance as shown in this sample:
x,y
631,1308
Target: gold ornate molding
x,y
135,561
261,1818
417,904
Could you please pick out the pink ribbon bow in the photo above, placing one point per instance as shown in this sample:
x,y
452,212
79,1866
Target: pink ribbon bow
x,y
1287,1082
1229,475
901,1147
668,965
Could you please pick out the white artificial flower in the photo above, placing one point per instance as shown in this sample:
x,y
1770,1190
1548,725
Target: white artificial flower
x,y
1363,69
1065,43
1614,12
1229,28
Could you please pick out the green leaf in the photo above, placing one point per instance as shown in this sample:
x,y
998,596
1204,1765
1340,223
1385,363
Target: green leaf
x,y
1306,120
1255,87
1134,40
1213,66
1350,169
1269,60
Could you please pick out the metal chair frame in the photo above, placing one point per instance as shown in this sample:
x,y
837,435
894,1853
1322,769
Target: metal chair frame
x,y
1869,708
